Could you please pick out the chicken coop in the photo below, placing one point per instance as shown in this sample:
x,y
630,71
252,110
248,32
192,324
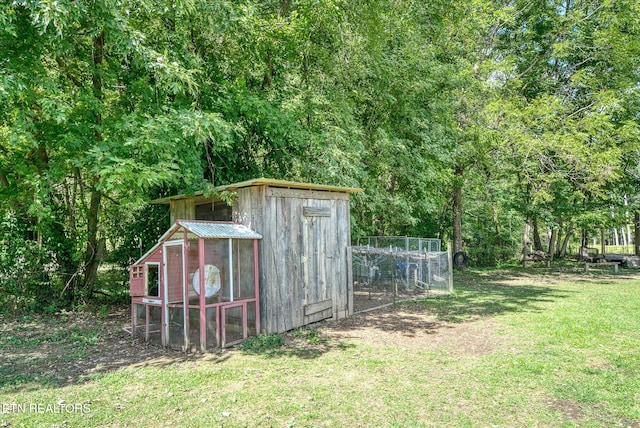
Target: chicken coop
x,y
198,287
302,262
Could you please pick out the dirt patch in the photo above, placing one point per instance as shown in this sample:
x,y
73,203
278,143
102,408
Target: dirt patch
x,y
364,300
574,411
570,409
70,347
415,329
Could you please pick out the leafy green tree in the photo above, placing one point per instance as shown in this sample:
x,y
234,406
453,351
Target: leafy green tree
x,y
92,113
566,70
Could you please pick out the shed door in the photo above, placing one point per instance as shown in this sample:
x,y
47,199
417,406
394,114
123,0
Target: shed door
x,y
301,263
318,242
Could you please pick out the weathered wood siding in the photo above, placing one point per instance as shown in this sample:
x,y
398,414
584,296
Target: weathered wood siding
x,y
303,254
182,209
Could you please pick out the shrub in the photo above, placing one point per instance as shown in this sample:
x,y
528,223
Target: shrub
x,y
24,283
262,343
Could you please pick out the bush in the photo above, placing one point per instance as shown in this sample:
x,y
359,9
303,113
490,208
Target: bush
x,y
138,232
24,282
262,343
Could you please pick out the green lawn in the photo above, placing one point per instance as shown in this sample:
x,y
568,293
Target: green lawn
x,y
509,348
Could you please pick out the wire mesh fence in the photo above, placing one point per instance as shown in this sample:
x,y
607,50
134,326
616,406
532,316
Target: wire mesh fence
x,y
401,243
384,275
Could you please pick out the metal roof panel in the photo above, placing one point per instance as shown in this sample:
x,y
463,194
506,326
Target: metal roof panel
x,y
219,230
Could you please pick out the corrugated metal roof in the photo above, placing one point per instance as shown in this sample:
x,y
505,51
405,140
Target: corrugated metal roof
x,y
216,230
266,182
207,230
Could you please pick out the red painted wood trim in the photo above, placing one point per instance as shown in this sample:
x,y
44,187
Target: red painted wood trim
x,y
203,309
256,284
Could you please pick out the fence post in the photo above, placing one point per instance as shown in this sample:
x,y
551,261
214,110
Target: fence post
x,y
450,263
349,281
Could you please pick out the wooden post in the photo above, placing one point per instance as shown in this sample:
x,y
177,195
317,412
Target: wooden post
x,y
256,284
636,241
146,323
349,282
185,292
202,300
133,320
603,246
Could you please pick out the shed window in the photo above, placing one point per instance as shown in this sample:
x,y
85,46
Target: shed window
x,y
136,272
218,211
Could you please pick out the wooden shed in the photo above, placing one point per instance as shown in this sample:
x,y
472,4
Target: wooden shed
x,y
304,268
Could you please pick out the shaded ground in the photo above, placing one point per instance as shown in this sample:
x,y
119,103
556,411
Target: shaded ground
x,y
69,347
410,327
364,300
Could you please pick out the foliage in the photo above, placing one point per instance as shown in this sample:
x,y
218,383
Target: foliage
x,y
135,232
308,334
23,282
567,78
262,343
469,121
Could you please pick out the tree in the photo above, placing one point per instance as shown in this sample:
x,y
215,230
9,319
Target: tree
x,y
566,76
91,114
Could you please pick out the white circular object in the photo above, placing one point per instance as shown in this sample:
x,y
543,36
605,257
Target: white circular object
x,y
211,280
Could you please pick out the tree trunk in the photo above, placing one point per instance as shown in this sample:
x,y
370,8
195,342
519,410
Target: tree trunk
x,y
552,242
496,224
93,252
4,183
390,187
525,240
537,242
565,244
457,210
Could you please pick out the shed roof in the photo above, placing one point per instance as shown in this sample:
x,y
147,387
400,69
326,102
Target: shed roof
x,y
265,182
206,230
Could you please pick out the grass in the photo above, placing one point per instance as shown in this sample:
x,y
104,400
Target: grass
x,y
618,249
565,353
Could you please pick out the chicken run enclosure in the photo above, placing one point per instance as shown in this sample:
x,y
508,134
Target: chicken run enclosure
x,y
389,269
